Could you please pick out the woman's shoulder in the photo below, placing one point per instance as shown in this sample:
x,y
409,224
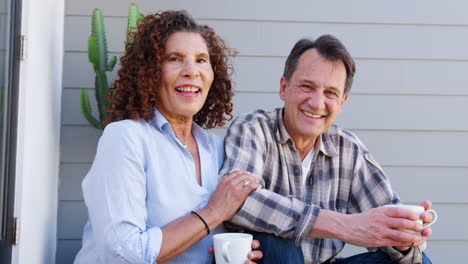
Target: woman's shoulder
x,y
127,130
216,145
213,136
127,123
209,137
127,126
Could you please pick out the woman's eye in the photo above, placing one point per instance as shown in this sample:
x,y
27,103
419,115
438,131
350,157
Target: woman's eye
x,y
201,60
174,59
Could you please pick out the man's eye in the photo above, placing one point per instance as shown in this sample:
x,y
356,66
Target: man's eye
x,y
331,94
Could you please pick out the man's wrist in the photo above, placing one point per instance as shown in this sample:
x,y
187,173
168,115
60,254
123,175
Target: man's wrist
x,y
330,224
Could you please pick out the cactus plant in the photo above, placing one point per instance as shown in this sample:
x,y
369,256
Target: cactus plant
x,y
99,58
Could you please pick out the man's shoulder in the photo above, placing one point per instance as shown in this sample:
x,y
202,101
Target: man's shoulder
x,y
257,117
345,138
260,124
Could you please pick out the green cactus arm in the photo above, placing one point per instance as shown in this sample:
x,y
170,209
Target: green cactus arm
x,y
99,34
132,23
92,51
98,57
102,88
112,63
86,109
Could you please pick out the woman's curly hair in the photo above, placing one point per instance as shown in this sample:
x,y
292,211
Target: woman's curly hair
x,y
133,95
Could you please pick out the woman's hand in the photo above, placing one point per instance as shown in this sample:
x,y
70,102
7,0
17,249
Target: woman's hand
x,y
231,193
228,196
253,255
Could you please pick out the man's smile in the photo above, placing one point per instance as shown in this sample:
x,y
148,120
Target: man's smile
x,y
312,115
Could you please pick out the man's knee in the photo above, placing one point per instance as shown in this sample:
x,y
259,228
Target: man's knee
x,y
366,258
426,259
278,250
374,258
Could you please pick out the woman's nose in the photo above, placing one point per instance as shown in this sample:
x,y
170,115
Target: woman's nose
x,y
190,69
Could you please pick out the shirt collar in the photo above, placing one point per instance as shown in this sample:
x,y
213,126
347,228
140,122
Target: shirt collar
x,y
161,123
281,133
326,143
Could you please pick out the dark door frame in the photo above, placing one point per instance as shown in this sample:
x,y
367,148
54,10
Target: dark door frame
x,y
9,228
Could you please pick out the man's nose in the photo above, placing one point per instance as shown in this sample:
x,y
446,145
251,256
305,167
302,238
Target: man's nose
x,y
316,99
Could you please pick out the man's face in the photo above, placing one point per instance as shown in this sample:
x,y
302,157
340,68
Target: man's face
x,y
313,97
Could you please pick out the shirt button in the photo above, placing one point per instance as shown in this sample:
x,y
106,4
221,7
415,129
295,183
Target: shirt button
x,y
296,171
119,249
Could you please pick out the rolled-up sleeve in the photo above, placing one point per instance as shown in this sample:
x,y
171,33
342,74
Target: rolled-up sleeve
x,y
371,188
264,210
115,193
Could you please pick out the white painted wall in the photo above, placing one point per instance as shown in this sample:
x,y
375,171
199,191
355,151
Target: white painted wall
x,y
39,132
410,91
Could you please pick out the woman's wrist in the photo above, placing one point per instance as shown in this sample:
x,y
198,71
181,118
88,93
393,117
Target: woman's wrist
x,y
211,217
208,231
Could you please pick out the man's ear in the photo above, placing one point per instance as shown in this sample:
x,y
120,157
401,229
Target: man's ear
x,y
344,99
283,84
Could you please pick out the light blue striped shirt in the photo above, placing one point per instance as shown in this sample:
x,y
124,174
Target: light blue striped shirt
x,y
142,178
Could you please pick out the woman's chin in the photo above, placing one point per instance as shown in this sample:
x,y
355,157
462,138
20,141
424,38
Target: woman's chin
x,y
188,112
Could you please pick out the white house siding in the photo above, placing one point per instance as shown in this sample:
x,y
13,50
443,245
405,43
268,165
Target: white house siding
x,y
408,104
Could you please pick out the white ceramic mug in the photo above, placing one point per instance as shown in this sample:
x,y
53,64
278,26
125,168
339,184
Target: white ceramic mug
x,y
232,248
418,210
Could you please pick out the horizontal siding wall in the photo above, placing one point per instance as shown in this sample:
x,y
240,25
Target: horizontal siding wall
x,y
408,104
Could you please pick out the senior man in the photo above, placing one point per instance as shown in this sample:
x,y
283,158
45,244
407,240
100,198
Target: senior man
x,y
321,186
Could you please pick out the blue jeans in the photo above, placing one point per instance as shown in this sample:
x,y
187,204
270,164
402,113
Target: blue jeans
x,y
373,258
280,250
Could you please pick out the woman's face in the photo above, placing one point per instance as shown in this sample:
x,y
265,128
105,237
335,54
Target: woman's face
x,y
186,76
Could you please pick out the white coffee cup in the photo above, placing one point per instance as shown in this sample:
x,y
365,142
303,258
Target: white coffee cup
x,y
232,248
418,210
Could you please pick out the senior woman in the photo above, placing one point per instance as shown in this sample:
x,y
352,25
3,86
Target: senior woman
x,y
152,192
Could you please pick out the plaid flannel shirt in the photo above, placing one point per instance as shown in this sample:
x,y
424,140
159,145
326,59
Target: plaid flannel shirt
x,y
343,178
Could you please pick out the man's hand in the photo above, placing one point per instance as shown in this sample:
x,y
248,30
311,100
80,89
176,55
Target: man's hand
x,y
426,232
377,227
253,255
427,218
